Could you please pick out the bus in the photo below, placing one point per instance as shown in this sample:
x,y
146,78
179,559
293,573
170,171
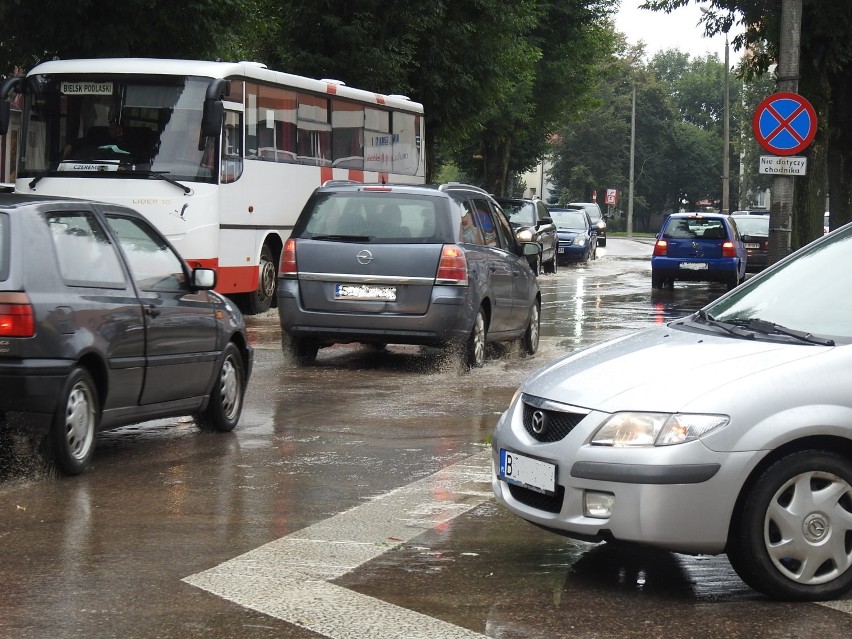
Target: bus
x,y
220,156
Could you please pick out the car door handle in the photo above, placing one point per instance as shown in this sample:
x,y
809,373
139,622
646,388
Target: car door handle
x,y
152,310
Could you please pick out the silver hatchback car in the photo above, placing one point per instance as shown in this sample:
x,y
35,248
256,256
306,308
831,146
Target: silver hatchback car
x,y
403,264
729,430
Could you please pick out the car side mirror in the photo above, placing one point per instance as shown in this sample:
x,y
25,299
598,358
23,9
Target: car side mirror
x,y
531,249
203,279
546,220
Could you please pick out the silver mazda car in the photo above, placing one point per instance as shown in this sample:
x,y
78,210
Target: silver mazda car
x,y
727,431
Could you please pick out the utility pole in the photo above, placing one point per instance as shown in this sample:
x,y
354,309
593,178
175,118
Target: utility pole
x,y
726,133
781,201
632,156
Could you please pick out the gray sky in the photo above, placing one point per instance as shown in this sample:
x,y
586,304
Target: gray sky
x,y
676,30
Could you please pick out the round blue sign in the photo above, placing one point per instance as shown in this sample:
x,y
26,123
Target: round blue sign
x,y
784,123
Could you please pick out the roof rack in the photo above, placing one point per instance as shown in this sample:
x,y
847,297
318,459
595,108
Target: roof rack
x,y
459,185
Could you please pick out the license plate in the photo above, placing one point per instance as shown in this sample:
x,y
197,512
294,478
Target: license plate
x,y
561,250
364,292
749,245
693,266
528,472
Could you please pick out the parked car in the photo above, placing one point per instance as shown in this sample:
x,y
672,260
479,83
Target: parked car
x,y
578,240
597,218
380,264
703,247
102,324
754,231
729,430
531,222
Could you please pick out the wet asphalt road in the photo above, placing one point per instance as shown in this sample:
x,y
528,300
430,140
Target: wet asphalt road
x,y
353,501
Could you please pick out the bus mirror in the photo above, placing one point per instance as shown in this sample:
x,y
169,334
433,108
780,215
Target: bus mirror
x,y
214,115
8,85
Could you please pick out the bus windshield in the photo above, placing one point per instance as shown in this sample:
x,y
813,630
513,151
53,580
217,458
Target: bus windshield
x,y
112,126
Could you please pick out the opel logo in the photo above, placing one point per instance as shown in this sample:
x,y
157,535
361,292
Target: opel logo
x,y
364,257
538,422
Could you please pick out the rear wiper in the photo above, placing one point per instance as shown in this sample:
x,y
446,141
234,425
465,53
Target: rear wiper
x,y
732,329
342,238
770,328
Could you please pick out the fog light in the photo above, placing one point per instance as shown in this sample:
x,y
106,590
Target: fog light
x,y
598,505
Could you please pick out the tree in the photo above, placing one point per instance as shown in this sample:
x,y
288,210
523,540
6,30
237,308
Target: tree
x,y
34,30
825,57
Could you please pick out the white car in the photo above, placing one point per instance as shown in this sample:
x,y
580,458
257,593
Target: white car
x,y
727,431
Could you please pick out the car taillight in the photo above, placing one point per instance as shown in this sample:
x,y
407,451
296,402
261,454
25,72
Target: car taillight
x,y
452,269
661,248
765,245
16,315
728,249
288,259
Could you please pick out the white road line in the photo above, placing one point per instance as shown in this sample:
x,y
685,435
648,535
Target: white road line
x,y
288,578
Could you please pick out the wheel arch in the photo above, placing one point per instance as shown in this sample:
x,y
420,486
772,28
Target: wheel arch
x,y
96,367
828,443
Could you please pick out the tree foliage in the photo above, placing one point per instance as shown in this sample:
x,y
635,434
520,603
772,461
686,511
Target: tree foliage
x,y
34,30
825,69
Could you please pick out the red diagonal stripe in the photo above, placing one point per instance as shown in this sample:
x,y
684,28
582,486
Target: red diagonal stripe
x,y
785,123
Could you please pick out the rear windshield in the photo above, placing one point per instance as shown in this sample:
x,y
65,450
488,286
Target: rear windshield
x,y
376,217
4,246
753,225
695,228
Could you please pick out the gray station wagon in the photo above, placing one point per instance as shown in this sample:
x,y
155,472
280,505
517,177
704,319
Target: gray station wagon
x,y
102,324
403,264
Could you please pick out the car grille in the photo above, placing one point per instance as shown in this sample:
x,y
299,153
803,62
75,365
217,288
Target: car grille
x,y
539,501
556,423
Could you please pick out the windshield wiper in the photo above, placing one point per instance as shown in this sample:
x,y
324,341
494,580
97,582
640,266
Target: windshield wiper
x,y
342,238
161,176
770,328
50,169
732,329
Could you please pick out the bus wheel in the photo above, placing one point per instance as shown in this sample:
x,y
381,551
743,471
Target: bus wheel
x,y
261,299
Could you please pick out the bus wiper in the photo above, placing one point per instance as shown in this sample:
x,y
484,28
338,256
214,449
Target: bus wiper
x,y
50,169
163,176
732,329
770,328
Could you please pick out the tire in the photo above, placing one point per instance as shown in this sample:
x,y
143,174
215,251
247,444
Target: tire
x,y
657,281
226,399
551,267
602,241
537,266
71,439
790,537
299,350
474,351
260,300
732,282
529,342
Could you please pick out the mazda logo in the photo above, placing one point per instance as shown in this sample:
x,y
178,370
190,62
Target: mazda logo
x,y
538,422
364,257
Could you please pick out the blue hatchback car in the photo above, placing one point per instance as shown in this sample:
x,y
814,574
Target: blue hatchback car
x,y
704,247
578,240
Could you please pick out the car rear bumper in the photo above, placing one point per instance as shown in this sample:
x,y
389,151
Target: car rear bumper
x,y
29,391
718,269
448,319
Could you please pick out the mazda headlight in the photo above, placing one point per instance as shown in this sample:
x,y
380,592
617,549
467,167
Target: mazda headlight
x,y
656,429
525,235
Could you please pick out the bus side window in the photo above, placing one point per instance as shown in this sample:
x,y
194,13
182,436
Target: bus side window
x,y
232,147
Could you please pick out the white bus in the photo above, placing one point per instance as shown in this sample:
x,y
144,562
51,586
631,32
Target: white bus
x,y
220,156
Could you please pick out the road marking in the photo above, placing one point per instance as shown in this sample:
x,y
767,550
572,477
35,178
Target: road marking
x,y
289,578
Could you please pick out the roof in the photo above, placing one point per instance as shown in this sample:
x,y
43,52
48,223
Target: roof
x,y
249,70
